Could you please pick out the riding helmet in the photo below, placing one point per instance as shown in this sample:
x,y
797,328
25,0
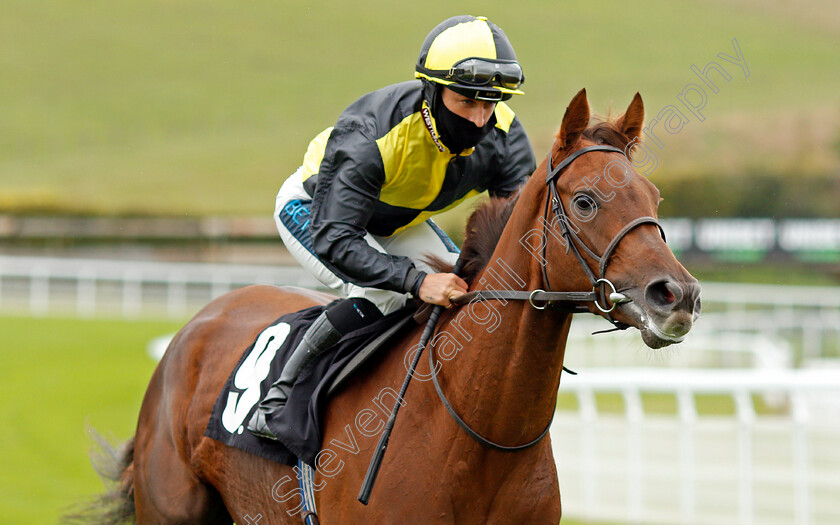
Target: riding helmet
x,y
471,56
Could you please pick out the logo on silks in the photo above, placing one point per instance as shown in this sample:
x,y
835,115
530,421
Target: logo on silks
x,y
251,374
427,120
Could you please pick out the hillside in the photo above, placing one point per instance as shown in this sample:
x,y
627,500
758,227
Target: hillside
x,y
203,108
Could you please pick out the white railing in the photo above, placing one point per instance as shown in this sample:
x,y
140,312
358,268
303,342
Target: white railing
x,y
107,288
767,338
782,324
701,469
41,279
707,346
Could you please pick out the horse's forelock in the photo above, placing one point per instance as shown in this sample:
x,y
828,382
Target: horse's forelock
x,y
606,132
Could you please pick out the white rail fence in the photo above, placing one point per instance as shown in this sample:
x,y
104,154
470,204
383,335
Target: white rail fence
x,y
130,289
635,467
742,325
787,324
767,339
45,284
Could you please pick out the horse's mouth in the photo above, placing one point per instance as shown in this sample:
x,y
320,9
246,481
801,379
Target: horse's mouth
x,y
656,331
655,337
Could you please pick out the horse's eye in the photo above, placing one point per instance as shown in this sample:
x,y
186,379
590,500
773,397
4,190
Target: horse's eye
x,y
584,205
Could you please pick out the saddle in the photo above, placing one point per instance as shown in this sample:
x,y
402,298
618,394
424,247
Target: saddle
x,y
366,351
301,419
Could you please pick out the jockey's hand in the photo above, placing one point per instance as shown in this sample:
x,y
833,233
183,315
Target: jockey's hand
x,y
441,288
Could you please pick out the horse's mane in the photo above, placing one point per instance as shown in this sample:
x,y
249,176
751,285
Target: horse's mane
x,y
485,225
484,228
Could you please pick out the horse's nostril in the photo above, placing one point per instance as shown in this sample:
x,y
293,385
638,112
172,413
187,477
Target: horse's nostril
x,y
663,294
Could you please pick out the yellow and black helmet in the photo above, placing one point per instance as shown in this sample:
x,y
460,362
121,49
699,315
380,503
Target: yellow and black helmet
x,y
472,56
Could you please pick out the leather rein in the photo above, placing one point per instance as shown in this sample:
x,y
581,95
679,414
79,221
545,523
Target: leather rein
x,y
562,301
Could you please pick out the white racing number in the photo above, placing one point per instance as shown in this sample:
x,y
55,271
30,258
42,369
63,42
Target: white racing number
x,y
251,374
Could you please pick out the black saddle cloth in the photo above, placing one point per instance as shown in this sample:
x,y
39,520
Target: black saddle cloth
x,y
298,424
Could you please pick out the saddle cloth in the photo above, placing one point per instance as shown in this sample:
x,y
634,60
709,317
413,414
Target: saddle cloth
x,y
298,424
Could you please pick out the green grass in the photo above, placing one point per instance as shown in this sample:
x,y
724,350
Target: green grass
x,y
58,376
665,404
204,107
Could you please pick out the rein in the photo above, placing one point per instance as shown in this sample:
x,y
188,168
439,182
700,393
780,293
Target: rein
x,y
562,301
472,433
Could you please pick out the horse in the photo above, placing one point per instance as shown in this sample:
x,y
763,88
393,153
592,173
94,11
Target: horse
x,y
532,259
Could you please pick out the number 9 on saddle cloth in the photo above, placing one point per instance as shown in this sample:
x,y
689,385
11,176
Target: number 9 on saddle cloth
x,y
297,424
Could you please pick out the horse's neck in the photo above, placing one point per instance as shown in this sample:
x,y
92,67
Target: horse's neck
x,y
505,377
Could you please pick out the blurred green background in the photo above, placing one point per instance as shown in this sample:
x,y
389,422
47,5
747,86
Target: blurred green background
x,y
201,108
187,108
60,376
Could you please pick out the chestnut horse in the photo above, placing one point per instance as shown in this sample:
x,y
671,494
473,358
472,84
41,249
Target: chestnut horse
x,y
498,362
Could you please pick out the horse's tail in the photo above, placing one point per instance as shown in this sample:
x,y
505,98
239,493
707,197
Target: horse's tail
x,y
116,468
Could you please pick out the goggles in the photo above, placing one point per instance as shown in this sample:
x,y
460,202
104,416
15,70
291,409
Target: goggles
x,y
481,72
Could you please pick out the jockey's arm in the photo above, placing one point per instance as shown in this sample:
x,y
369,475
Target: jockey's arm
x,y
349,184
338,238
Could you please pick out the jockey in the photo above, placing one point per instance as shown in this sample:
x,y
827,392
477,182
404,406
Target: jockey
x,y
357,213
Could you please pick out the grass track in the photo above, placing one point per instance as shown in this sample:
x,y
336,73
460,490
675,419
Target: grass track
x,y
59,375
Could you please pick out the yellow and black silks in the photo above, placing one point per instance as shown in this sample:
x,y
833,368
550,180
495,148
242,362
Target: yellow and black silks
x,y
383,168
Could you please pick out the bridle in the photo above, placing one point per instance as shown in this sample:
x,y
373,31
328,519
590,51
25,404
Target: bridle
x,y
575,243
570,301
563,301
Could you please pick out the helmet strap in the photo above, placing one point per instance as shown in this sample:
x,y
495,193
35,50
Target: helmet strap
x,y
430,94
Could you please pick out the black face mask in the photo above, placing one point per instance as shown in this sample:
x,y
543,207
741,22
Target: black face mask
x,y
456,132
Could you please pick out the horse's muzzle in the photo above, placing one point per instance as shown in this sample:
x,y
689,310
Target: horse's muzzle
x,y
666,311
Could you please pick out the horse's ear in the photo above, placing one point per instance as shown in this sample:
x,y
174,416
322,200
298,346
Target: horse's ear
x,y
633,119
574,121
